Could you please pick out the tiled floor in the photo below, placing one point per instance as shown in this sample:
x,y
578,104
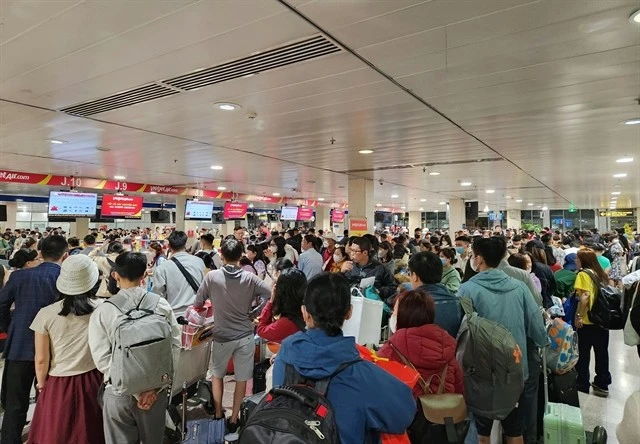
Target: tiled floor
x,y
607,412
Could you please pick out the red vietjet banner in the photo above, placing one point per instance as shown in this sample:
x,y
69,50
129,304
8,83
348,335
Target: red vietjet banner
x,y
134,187
357,227
337,216
121,206
235,210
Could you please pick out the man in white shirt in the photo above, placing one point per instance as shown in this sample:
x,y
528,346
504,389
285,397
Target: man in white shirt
x,y
127,418
169,280
310,261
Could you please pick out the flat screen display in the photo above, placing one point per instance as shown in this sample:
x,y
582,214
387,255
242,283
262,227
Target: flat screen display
x,y
337,216
198,210
305,214
121,206
160,216
69,204
289,213
235,210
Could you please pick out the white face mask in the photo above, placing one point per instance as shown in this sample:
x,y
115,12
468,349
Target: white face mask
x,y
337,258
474,267
392,323
273,248
325,244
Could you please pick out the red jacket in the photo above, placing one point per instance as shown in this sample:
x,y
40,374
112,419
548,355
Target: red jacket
x,y
275,331
429,348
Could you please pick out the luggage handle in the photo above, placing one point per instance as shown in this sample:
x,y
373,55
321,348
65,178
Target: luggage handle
x,y
184,411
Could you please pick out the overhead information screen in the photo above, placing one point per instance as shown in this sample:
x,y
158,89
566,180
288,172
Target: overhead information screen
x,y
69,204
289,213
121,206
198,210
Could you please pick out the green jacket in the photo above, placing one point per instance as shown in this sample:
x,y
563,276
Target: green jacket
x,y
451,279
564,283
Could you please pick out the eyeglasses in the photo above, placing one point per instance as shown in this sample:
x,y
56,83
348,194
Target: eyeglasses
x,y
355,251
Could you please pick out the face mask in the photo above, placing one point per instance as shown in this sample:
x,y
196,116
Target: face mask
x,y
392,323
337,258
382,254
460,250
274,249
443,260
325,244
474,267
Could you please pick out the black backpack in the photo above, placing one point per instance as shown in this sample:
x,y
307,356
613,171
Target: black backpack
x,y
296,413
112,284
606,311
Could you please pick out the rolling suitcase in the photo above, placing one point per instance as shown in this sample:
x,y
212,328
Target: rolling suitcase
x,y
562,423
563,389
201,431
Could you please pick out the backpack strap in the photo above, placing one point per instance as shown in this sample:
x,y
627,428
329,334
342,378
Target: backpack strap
x,y
185,273
467,305
148,303
594,278
293,377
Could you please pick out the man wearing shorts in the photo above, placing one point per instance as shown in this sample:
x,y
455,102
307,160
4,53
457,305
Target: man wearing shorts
x,y
233,292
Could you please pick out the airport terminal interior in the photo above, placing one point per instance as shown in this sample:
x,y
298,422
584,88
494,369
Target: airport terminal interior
x,y
452,129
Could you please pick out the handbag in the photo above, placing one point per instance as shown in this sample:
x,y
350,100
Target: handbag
x,y
631,329
445,414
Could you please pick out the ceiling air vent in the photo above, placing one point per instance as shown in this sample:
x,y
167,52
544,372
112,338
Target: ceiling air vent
x,y
126,98
274,58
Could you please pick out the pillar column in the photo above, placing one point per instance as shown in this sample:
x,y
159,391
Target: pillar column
x,y
514,219
546,219
181,204
636,228
457,217
361,201
415,221
602,222
79,228
12,209
323,218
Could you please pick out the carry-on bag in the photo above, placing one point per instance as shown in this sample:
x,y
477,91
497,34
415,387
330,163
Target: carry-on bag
x,y
563,389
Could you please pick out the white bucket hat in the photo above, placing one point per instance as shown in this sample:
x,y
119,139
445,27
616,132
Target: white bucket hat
x,y
78,275
331,236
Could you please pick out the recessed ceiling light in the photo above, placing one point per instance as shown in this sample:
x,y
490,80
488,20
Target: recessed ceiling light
x,y
365,151
620,175
119,177
276,194
227,106
320,199
222,188
631,121
394,196
530,204
545,208
442,203
434,173
57,141
153,192
490,191
518,200
378,205
216,167
420,209
465,184
250,205
615,193
423,200
635,17
625,160
403,208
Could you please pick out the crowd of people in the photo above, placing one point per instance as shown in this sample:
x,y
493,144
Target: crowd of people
x,y
62,299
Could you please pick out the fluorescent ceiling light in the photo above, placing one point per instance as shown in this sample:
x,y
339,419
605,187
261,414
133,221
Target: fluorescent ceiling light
x,y
222,188
490,191
403,208
216,167
616,193
620,175
518,200
530,204
276,194
507,197
365,151
153,192
57,141
250,205
632,121
635,17
320,199
119,177
423,200
378,205
545,208
434,173
465,184
625,160
421,209
394,196
442,203
227,106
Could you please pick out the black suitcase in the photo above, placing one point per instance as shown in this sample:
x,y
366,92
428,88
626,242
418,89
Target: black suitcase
x,y
563,388
248,405
260,376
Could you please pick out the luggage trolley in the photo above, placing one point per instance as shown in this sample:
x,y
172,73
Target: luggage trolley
x,y
190,372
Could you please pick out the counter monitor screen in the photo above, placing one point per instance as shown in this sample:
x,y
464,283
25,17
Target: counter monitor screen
x,y
198,210
70,204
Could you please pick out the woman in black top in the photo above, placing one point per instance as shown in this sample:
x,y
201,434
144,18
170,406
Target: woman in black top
x,y
542,271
